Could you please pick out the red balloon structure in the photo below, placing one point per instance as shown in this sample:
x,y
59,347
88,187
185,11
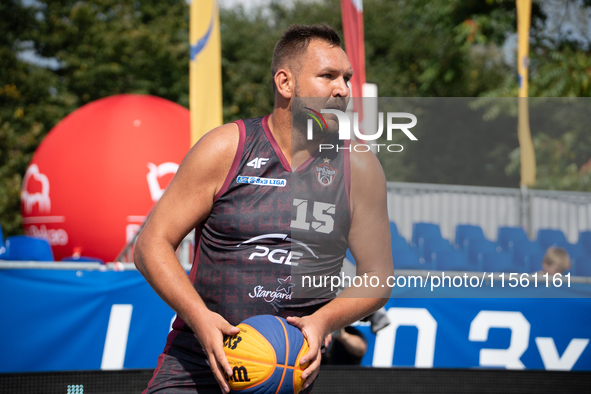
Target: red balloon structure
x,y
97,174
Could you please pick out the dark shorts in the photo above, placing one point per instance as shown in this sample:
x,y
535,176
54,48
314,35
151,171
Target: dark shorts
x,y
182,372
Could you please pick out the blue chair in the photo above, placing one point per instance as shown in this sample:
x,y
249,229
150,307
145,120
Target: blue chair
x,y
451,260
508,237
434,245
2,245
574,251
406,259
349,257
528,256
398,242
467,232
393,229
83,259
583,266
548,237
585,241
498,262
477,249
25,248
422,231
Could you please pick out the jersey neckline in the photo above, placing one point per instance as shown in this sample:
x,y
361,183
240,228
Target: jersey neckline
x,y
279,152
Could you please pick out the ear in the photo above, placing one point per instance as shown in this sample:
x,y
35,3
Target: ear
x,y
284,81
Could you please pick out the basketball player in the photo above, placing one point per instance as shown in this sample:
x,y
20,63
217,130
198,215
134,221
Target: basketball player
x,y
247,187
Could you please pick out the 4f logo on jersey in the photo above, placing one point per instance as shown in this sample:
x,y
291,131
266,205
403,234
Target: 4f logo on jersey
x,y
258,162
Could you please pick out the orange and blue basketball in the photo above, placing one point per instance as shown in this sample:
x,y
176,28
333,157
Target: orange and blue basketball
x,y
265,356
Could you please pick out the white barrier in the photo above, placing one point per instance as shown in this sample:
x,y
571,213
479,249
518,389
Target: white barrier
x,y
487,207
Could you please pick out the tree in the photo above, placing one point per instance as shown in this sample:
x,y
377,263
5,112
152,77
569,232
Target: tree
x,y
103,48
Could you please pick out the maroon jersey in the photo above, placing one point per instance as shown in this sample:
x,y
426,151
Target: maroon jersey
x,y
268,227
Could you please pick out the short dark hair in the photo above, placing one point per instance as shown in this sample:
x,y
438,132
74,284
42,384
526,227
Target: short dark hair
x,y
295,39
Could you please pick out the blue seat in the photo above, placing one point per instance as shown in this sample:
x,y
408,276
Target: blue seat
x,y
83,259
582,266
406,259
434,245
508,237
498,262
528,256
2,245
25,248
393,229
585,241
398,242
451,260
467,232
477,249
574,251
349,256
548,237
422,231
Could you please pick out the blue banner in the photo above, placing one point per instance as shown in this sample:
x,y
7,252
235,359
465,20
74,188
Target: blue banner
x,y
58,320
89,320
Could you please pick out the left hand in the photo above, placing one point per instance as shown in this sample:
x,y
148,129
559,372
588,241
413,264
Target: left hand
x,y
315,335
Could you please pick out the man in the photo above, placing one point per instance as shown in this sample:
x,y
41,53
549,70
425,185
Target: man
x,y
348,346
235,187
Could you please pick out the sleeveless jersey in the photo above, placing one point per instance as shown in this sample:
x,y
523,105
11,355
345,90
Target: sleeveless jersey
x,y
269,227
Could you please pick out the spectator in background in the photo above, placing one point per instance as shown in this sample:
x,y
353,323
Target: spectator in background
x,y
555,261
348,347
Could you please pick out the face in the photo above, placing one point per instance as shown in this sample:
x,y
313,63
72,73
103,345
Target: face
x,y
324,72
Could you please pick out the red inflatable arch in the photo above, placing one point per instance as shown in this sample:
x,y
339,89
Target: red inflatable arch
x,y
99,171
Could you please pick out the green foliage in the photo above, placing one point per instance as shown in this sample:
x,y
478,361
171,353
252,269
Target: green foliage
x,y
414,48
108,47
104,48
557,167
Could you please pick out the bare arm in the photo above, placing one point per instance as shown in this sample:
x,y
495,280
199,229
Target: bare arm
x,y
353,343
369,241
185,204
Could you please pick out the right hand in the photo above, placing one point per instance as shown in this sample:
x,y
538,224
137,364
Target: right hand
x,y
210,331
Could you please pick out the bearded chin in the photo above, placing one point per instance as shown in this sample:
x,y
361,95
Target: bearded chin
x,y
300,117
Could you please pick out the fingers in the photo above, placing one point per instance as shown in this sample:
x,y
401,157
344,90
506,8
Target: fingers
x,y
294,321
310,373
229,329
221,358
313,355
217,373
314,349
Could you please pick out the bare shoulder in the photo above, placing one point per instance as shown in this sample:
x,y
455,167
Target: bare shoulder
x,y
189,198
221,143
212,156
365,168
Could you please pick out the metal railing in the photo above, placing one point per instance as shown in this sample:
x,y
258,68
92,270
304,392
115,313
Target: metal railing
x,y
488,207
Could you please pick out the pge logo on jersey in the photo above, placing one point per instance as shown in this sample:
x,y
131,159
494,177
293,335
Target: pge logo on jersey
x,y
277,255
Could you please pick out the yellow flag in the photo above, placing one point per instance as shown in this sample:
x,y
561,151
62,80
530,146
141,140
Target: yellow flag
x,y
528,158
206,68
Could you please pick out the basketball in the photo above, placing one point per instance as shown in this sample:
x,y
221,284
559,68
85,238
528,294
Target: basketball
x,y
265,356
